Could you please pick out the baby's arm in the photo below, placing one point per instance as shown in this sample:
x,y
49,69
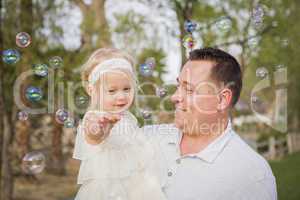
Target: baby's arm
x,y
97,126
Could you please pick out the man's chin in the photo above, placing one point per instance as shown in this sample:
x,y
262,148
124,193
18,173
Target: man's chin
x,y
178,124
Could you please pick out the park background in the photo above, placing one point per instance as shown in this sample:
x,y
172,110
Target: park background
x,y
263,35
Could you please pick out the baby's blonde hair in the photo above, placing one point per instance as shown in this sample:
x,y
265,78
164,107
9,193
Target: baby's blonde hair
x,y
99,56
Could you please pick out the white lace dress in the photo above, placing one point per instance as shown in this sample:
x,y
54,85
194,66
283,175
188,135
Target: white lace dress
x,y
119,167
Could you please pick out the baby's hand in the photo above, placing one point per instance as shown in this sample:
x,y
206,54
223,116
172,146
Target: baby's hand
x,y
97,125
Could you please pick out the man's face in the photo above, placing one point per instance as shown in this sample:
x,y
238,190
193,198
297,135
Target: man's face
x,y
196,98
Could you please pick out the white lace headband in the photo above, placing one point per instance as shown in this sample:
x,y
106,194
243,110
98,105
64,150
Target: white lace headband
x,y
107,66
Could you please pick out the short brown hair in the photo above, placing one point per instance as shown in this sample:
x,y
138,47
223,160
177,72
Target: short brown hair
x,y
226,69
99,56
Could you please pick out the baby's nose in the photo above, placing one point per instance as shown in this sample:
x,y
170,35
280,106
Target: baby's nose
x,y
121,96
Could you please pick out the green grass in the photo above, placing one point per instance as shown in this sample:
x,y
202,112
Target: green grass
x,y
287,173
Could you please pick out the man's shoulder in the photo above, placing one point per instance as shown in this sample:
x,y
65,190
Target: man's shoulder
x,y
249,159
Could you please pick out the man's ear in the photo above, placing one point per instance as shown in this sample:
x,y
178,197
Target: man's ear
x,y
225,98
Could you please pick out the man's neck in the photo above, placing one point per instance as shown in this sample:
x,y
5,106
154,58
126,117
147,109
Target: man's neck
x,y
194,143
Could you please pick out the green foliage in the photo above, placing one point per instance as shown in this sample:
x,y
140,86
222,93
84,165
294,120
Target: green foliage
x,y
287,174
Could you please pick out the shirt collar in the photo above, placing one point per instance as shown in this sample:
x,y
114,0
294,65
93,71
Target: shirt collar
x,y
213,150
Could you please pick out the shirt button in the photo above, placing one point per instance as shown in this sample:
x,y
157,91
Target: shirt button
x,y
170,173
178,161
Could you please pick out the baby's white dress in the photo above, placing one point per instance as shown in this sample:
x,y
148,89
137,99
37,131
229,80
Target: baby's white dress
x,y
120,167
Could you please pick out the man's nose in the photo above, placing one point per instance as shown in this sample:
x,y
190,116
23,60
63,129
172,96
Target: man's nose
x,y
177,96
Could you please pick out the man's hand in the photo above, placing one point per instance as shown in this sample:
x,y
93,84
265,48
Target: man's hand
x,y
97,125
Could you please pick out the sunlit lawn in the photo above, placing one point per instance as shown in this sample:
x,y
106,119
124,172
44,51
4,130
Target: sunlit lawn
x,y
287,173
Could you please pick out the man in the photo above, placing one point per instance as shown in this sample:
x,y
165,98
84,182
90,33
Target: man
x,y
205,158
201,157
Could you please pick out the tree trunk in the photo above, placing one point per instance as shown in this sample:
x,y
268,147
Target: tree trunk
x,y
6,180
95,29
1,94
6,169
56,162
23,127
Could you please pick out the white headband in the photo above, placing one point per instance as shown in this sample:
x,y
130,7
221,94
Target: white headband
x,y
107,66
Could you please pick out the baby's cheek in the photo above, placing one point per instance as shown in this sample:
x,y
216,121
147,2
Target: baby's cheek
x,y
108,101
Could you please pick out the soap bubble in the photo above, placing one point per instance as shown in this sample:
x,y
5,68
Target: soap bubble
x,y
146,114
23,39
253,42
150,62
261,72
224,24
188,42
10,56
22,115
61,116
69,123
146,70
34,94
81,101
189,26
161,92
56,62
33,162
40,70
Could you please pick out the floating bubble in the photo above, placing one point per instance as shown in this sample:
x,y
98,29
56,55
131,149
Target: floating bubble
x,y
261,72
69,123
161,92
150,62
34,94
33,163
10,56
22,115
81,101
61,116
40,70
56,62
188,42
224,24
253,42
189,26
146,114
146,70
23,39
258,16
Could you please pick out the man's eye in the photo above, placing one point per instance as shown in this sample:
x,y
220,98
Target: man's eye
x,y
189,90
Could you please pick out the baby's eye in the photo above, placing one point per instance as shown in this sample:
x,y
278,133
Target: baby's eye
x,y
127,89
111,91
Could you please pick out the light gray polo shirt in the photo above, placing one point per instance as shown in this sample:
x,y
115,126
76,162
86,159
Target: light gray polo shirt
x,y
227,169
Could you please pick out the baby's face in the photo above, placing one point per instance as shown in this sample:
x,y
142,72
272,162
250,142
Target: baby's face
x,y
115,91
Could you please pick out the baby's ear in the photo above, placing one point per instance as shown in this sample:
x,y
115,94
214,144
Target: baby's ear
x,y
89,89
